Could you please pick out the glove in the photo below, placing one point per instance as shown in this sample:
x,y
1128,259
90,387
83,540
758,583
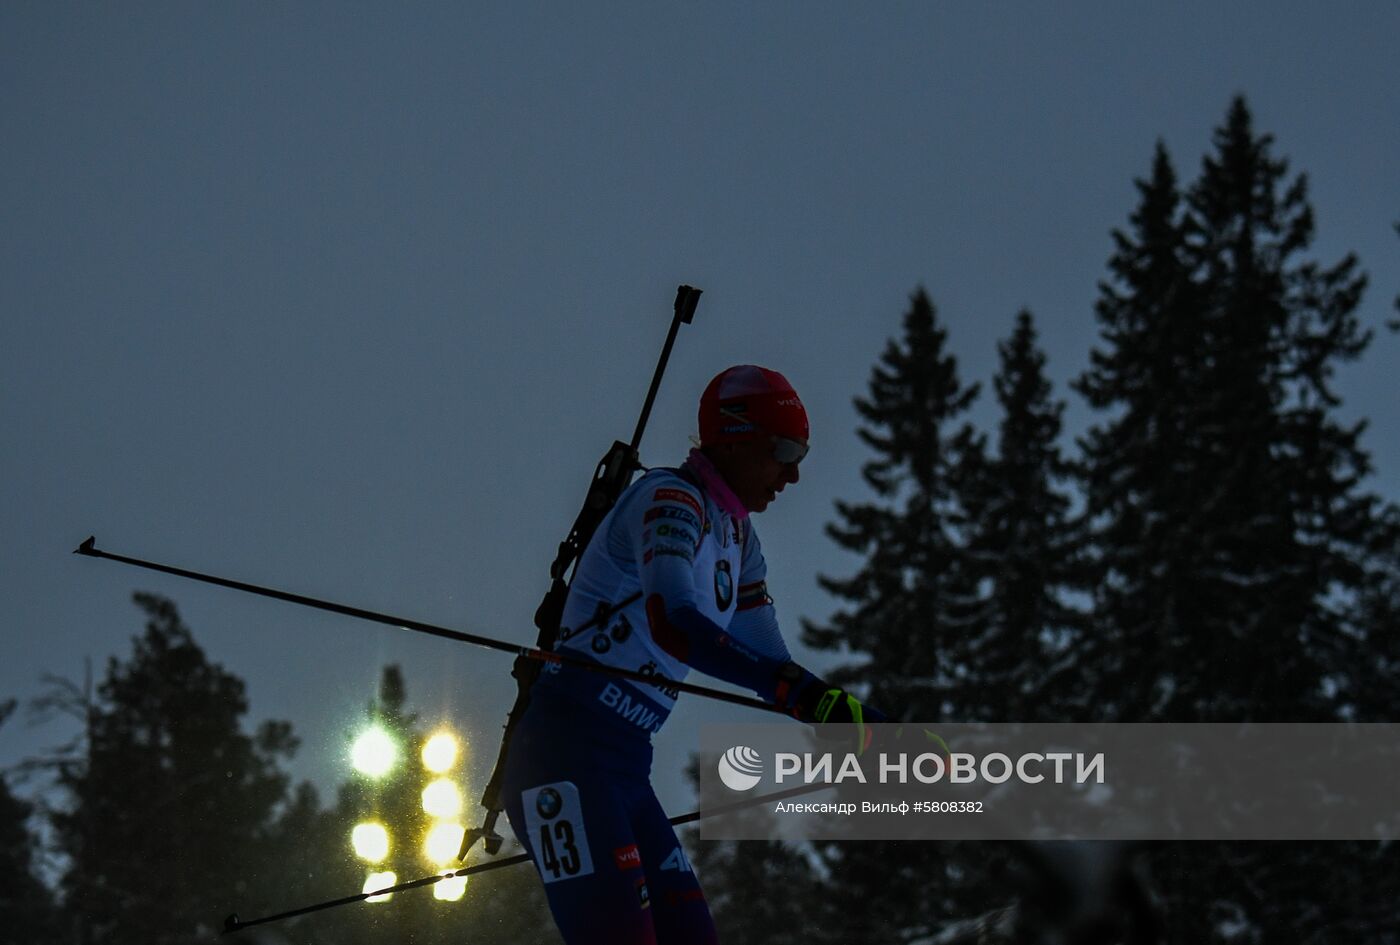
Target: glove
x,y
836,705
810,699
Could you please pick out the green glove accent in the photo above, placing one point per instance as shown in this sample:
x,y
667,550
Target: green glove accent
x,y
833,698
838,705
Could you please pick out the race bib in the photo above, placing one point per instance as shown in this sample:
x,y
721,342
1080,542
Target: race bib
x,y
554,819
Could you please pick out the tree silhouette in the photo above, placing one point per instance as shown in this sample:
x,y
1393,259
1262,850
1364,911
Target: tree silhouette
x,y
1234,541
171,802
26,903
914,598
1028,552
914,618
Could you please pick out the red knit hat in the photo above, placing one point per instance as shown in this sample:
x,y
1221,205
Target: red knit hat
x,y
745,402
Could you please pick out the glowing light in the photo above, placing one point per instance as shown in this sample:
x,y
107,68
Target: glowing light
x,y
371,842
380,881
450,890
442,799
440,754
374,752
442,843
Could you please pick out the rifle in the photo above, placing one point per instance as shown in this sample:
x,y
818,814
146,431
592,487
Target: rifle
x,y
612,475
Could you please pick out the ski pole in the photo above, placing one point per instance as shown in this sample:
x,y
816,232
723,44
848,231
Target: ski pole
x,y
90,549
233,924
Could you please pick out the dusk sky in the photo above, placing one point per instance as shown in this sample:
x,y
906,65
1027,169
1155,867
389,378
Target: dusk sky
x,y
349,299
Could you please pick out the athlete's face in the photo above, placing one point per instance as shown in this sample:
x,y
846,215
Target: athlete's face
x,y
753,471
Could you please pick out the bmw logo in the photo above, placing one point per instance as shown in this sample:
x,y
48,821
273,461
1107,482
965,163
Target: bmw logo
x,y
724,585
548,802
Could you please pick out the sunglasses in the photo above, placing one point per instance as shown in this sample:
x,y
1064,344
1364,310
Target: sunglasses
x,y
786,450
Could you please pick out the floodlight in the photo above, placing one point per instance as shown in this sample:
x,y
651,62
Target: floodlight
x,y
380,881
374,752
442,799
442,843
450,890
440,753
371,842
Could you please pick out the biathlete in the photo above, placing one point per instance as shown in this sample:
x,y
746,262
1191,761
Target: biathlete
x,y
577,778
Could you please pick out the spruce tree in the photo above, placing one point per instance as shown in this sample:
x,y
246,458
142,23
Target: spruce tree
x,y
1028,550
1375,627
913,605
915,598
1224,490
1288,471
1144,498
1234,539
25,902
171,802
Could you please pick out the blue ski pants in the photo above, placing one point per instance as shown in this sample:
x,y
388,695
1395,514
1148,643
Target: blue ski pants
x,y
580,801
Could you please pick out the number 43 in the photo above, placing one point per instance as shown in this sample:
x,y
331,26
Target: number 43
x,y
564,833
